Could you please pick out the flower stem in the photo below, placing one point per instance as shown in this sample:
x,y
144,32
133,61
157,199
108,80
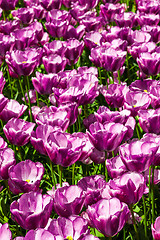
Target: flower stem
x,y
29,101
145,217
134,222
60,169
73,174
152,194
10,84
20,155
20,84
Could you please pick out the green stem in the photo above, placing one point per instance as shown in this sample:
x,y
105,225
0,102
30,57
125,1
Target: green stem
x,y
119,77
134,222
20,155
29,101
7,187
73,174
60,169
145,217
100,75
52,175
20,84
37,98
10,84
124,233
137,130
105,169
152,194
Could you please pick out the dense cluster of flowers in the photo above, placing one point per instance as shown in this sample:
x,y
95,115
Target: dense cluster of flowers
x,y
79,87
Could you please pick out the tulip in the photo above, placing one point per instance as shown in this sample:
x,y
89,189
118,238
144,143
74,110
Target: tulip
x,y
8,5
5,232
54,63
25,176
7,159
156,229
107,136
68,200
128,188
138,155
74,227
32,210
39,137
12,109
18,131
115,167
107,218
74,50
63,148
23,62
92,186
149,63
149,120
25,15
39,234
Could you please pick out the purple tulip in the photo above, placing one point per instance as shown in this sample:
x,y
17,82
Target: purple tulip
x,y
73,32
107,136
125,19
74,227
39,234
92,186
43,83
18,131
135,101
32,210
109,10
149,63
155,139
7,159
128,188
12,109
49,5
39,137
149,120
136,49
97,156
5,232
63,148
25,15
3,102
107,218
82,88
138,36
6,44
93,39
115,167
54,63
113,60
8,27
25,176
156,229
114,95
23,62
3,144
138,155
90,237
55,47
2,82
8,5
74,49
68,200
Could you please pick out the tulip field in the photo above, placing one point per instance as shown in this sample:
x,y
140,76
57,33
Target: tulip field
x,y
79,119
